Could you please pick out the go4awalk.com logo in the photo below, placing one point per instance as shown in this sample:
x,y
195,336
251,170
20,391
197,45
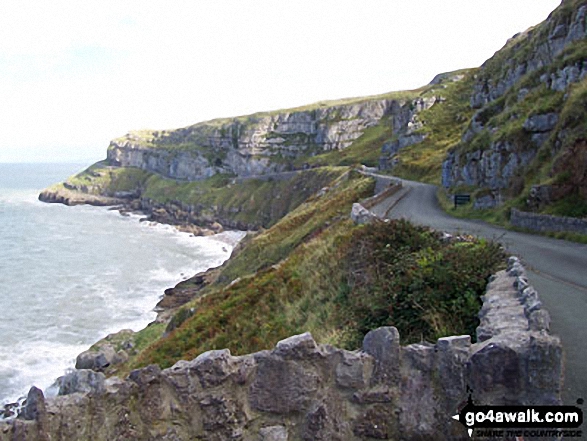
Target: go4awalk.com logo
x,y
521,421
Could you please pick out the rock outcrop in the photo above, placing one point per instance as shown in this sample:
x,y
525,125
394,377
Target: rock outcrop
x,y
302,390
405,130
267,143
248,146
520,94
63,195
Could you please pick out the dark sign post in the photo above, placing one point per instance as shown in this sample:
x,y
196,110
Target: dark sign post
x,y
461,199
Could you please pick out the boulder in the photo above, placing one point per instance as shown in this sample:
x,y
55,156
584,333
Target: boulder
x,y
360,215
82,381
273,433
541,123
98,360
34,408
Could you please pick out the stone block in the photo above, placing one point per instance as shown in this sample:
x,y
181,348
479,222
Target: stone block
x,y
82,381
297,346
282,386
273,433
383,344
354,370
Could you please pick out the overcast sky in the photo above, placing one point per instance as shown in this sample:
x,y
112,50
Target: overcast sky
x,y
75,74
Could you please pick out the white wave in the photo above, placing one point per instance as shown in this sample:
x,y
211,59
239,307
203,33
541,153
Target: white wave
x,y
80,273
38,363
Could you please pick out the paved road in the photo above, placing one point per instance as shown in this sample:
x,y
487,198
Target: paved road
x,y
556,268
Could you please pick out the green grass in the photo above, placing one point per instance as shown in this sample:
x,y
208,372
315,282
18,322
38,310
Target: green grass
x,y
504,118
405,276
443,123
100,179
317,271
498,216
274,270
524,46
253,202
273,245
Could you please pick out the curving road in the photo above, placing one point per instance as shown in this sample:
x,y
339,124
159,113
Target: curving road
x,y
556,268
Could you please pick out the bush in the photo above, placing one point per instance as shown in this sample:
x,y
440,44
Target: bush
x,y
405,276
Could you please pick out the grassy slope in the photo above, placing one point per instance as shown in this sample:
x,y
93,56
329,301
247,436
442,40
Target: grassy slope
x,y
504,119
301,275
100,179
365,150
253,202
443,126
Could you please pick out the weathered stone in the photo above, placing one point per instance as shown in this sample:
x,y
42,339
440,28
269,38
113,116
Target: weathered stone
x,y
487,201
494,372
145,376
318,425
417,391
34,408
82,381
246,148
543,372
354,370
222,416
213,367
97,360
544,222
450,358
539,321
383,345
376,423
297,346
360,215
273,433
500,165
541,123
281,386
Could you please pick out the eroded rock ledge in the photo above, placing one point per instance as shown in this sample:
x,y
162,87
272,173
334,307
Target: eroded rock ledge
x,y
302,390
73,197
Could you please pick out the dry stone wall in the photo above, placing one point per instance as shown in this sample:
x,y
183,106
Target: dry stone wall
x,y
545,222
301,390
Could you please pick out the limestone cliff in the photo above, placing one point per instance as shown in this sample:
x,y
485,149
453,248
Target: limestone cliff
x,y
529,113
251,145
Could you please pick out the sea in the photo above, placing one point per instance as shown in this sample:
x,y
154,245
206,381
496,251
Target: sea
x,y
69,276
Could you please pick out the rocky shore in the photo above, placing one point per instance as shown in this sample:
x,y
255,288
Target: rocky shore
x,y
129,203
62,195
303,390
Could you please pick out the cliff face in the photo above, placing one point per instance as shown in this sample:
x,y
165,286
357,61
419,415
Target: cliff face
x,y
524,97
252,145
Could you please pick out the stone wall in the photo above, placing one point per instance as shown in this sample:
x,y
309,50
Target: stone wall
x,y
301,390
545,222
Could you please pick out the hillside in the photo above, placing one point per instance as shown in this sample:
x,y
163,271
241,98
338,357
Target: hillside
x,y
511,133
525,145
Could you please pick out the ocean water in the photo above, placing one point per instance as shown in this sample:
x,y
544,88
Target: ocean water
x,y
71,275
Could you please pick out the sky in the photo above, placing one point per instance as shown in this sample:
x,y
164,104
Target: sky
x,y
74,75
